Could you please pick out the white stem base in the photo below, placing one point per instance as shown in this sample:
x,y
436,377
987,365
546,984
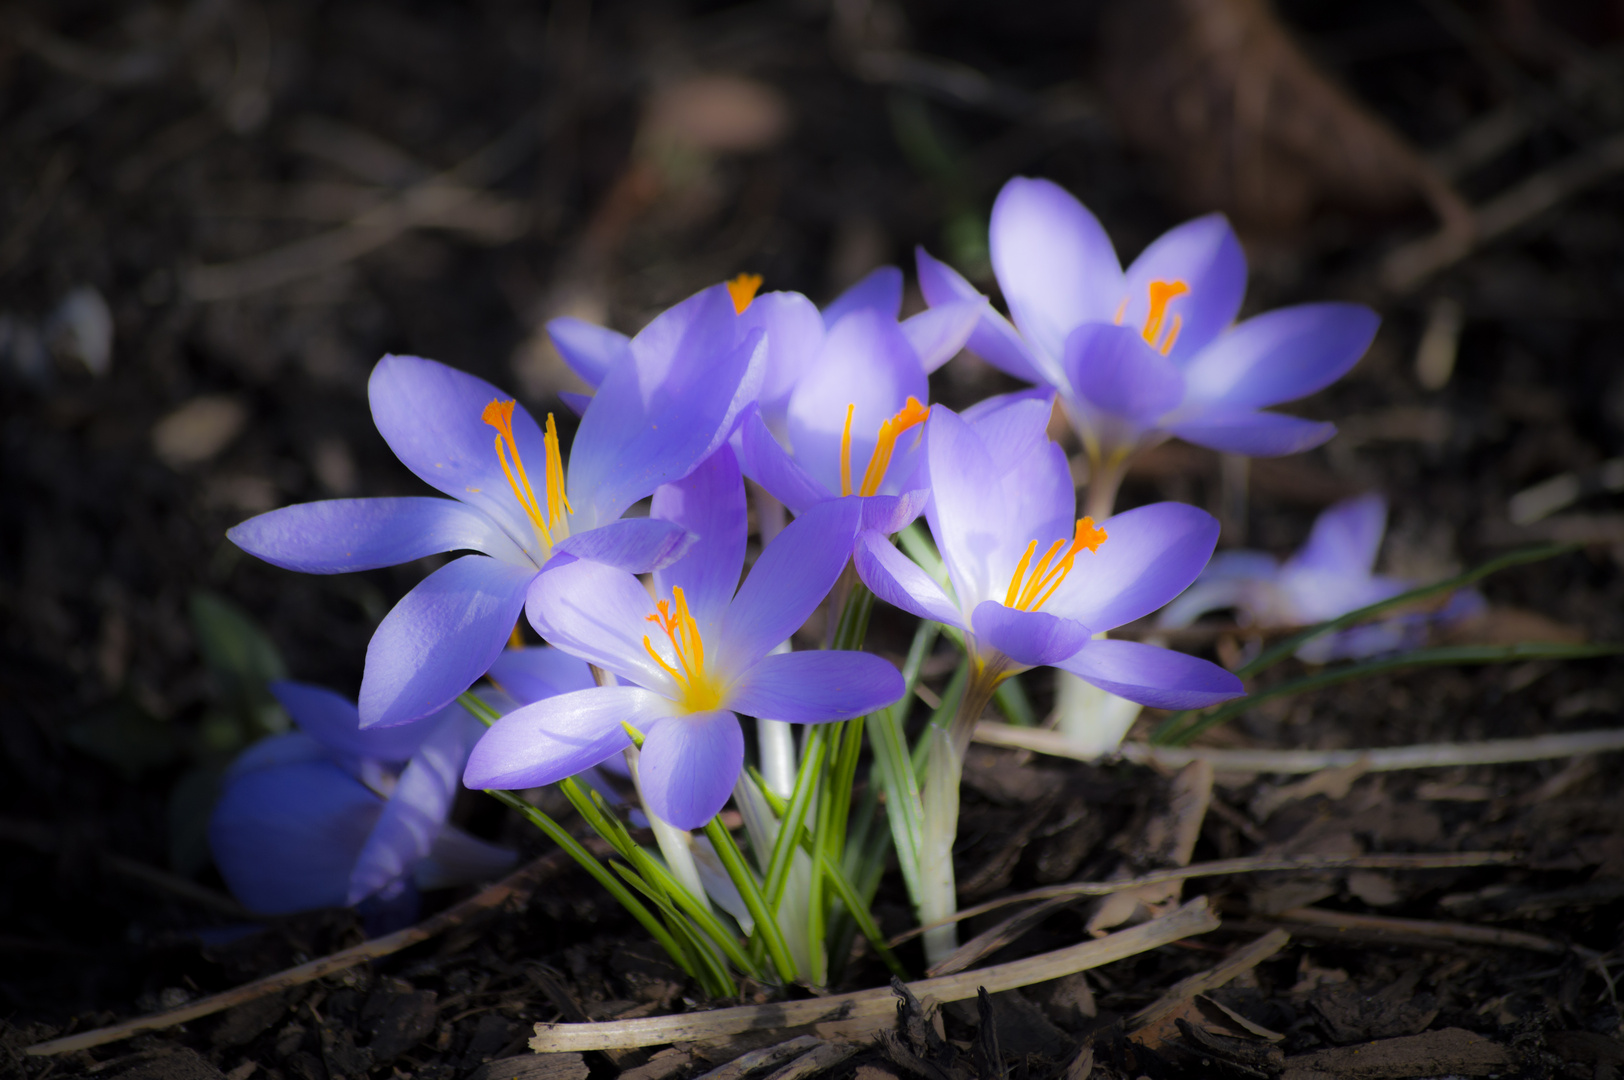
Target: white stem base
x,y
1094,721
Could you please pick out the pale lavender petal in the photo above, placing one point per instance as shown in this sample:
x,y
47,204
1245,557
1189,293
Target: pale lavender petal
x,y
336,536
1313,595
599,614
967,509
880,291
1150,555
635,545
1215,595
1206,257
284,839
334,721
430,415
589,349
1281,355
709,504
1345,538
993,339
530,674
887,514
898,580
1160,678
416,809
1012,426
1255,434
658,417
440,639
788,581
866,363
767,463
1031,638
559,736
576,403
937,334
814,687
794,331
688,766
1054,262
1118,373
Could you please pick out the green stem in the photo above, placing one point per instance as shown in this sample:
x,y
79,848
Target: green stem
x,y
766,925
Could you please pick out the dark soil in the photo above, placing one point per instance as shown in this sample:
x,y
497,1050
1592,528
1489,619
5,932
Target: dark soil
x,y
144,147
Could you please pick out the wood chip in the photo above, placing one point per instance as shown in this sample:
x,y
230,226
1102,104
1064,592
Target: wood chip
x,y
1243,959
745,1064
1192,918
823,1056
1433,1053
533,1067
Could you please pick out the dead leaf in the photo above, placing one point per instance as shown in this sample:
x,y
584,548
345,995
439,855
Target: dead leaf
x,y
198,430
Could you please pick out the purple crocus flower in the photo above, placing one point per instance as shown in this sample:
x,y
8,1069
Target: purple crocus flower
x,y
1148,353
1331,575
334,814
695,657
857,403
692,371
1031,584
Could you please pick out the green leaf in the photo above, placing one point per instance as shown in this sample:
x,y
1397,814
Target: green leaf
x,y
241,657
125,736
191,801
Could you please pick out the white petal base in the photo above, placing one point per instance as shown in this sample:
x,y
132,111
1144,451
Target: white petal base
x,y
1093,720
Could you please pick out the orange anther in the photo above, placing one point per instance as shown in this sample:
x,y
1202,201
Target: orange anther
x,y
743,290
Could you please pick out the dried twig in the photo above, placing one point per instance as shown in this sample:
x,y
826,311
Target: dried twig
x,y
1243,959
515,888
1381,759
1307,919
1193,918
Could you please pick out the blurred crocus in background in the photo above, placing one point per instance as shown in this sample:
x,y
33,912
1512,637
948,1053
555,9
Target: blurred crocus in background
x,y
1331,575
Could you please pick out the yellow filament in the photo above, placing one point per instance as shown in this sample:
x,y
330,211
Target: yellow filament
x,y
1163,293
743,290
1029,592
499,415
910,415
698,692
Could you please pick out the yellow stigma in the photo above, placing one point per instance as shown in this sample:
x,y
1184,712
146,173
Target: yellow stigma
x,y
743,290
911,415
553,525
697,691
1029,592
1162,294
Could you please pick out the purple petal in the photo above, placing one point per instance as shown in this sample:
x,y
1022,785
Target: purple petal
x,y
898,580
1282,355
813,687
430,415
1053,260
417,808
289,749
866,363
658,417
888,514
993,339
788,581
1012,426
558,737
1345,538
1206,257
457,858
286,838
1314,595
1247,594
440,639
528,675
1151,554
689,765
1160,678
336,536
599,614
1032,638
576,403
590,350
767,463
635,545
1118,373
794,330
937,334
1255,434
334,721
880,292
709,504
967,511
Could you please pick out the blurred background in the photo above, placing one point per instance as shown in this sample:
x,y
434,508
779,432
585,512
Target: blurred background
x,y
215,215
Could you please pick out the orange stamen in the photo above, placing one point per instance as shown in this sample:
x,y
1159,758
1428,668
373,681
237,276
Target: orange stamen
x,y
499,415
698,692
743,290
1162,293
910,415
1031,592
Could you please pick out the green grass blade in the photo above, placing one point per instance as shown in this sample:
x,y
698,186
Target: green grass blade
x,y
766,925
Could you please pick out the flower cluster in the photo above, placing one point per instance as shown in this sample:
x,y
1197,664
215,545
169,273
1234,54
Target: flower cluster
x,y
668,641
